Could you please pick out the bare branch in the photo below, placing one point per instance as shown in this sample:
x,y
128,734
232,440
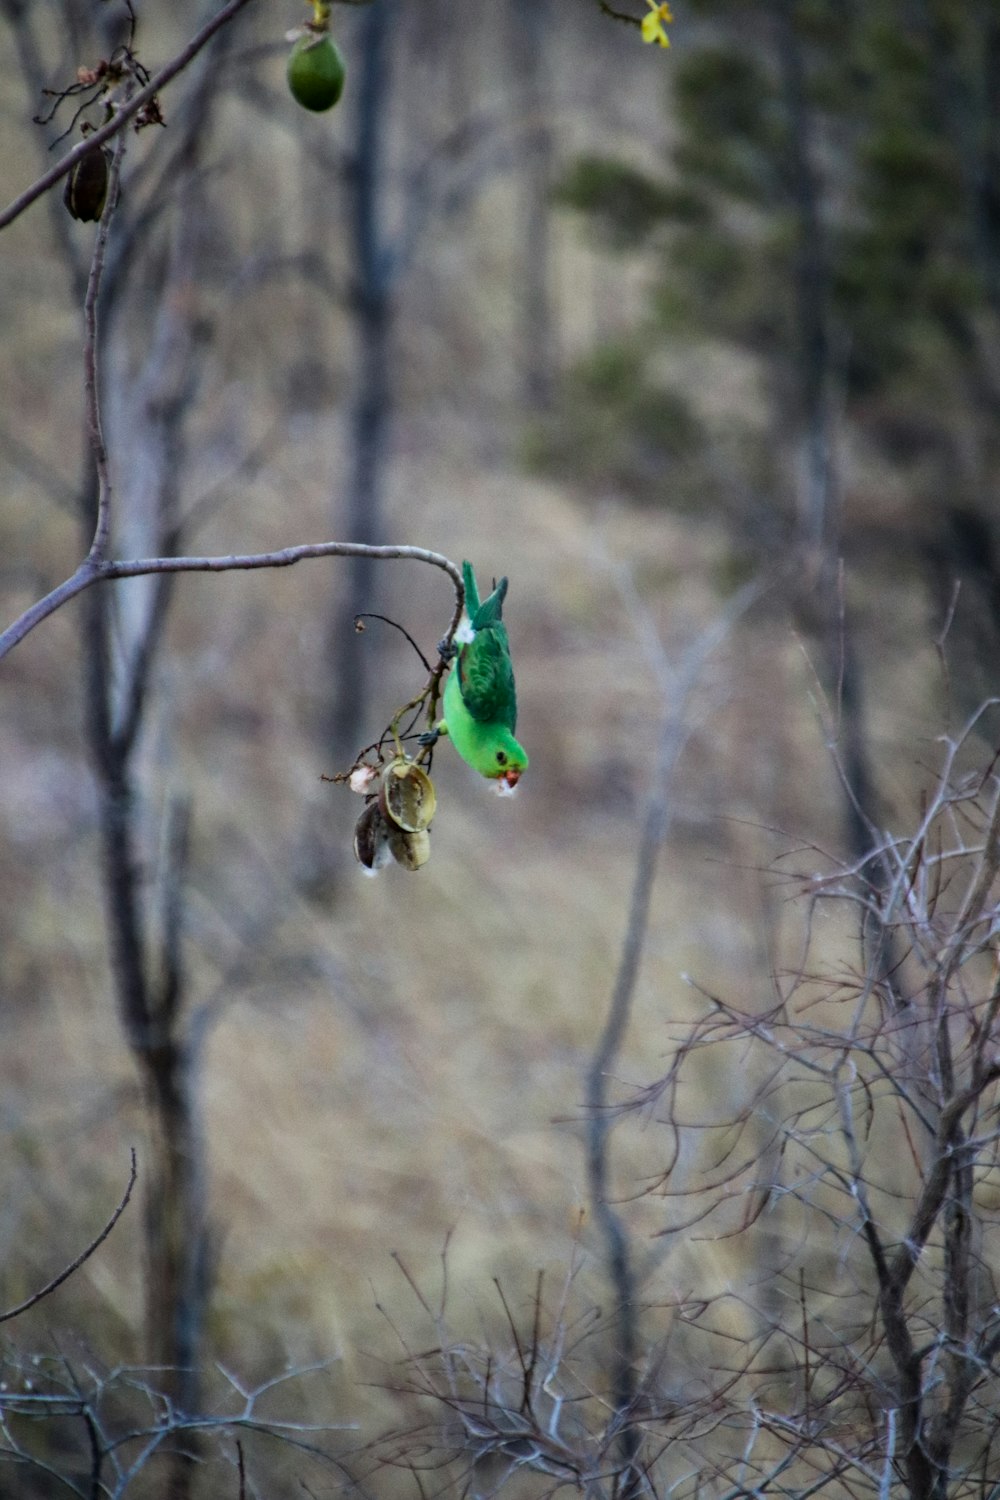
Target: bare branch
x,y
92,571
84,1255
91,387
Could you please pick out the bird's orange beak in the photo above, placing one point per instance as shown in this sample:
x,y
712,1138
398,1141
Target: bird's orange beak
x,y
512,777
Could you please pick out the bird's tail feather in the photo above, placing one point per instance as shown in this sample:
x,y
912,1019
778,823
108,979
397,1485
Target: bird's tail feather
x,y
471,591
491,609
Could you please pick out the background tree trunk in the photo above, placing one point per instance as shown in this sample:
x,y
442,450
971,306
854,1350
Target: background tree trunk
x,y
530,26
359,514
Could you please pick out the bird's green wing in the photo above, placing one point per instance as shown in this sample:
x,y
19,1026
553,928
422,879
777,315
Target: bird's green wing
x,y
486,678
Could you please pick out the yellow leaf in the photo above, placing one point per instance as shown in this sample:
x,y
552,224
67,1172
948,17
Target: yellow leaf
x,y
653,24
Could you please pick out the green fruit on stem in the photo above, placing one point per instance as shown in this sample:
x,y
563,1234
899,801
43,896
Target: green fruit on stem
x,y
316,72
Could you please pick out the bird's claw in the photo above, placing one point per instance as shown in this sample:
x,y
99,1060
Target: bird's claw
x,y
430,738
447,650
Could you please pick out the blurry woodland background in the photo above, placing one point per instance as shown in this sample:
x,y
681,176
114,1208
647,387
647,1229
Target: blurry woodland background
x,y
640,329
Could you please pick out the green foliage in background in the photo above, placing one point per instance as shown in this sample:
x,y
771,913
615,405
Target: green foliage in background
x,y
618,425
888,115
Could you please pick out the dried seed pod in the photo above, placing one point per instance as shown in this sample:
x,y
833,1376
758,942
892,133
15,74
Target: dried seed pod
x,y
316,72
406,796
86,190
371,839
411,850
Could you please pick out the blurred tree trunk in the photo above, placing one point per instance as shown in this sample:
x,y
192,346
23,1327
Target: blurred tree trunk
x,y
530,30
153,411
373,277
118,647
818,519
821,607
151,389
150,1010
965,547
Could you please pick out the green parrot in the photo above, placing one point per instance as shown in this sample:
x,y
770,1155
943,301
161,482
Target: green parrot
x,y
480,704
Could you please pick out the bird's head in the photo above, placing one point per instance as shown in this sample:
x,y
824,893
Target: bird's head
x,y
509,762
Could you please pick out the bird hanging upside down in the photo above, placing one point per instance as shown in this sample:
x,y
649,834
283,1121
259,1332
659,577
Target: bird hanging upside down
x,y
480,702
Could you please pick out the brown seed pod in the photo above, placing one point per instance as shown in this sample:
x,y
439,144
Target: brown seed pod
x,y
410,850
86,187
371,839
406,796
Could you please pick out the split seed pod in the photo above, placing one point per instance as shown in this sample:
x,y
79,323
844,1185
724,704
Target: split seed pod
x,y
406,796
371,839
86,190
411,850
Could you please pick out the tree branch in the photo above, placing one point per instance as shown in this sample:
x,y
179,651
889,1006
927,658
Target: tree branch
x,y
91,390
84,1255
92,571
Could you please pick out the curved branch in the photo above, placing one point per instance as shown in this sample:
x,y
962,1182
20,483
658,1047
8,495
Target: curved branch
x,y
86,574
93,570
67,1271
122,114
282,558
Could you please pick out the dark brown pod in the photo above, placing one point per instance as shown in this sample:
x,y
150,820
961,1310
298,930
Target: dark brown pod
x,y
86,190
371,839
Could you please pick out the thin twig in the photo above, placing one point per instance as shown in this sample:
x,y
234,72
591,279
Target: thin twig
x,y
618,15
91,385
371,614
75,1265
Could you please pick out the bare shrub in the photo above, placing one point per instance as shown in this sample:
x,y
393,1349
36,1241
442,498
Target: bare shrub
x,y
858,1354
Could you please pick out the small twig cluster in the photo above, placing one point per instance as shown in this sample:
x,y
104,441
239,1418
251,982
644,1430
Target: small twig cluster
x,y
402,727
878,1120
95,87
117,1422
523,1404
853,1169
127,110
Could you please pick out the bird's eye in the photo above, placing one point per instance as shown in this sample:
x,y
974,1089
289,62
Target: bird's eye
x,y
501,758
